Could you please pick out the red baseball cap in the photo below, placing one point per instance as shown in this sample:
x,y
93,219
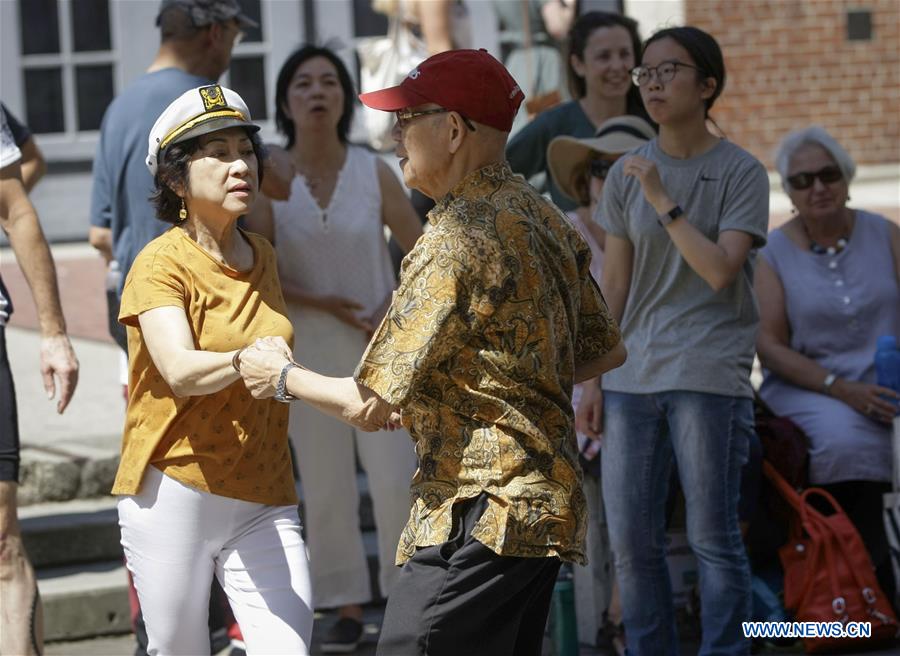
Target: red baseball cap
x,y
470,82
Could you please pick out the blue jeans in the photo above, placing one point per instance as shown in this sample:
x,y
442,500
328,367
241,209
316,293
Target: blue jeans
x,y
708,436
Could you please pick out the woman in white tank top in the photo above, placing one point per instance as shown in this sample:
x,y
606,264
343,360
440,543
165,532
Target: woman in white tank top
x,y
337,279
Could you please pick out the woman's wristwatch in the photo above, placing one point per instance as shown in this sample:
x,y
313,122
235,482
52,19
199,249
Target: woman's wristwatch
x,y
281,388
828,382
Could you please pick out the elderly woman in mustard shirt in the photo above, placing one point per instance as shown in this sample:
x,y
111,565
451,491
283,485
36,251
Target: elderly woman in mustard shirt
x,y
205,481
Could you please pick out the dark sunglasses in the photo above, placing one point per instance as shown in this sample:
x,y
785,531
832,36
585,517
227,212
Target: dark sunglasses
x,y
599,168
804,180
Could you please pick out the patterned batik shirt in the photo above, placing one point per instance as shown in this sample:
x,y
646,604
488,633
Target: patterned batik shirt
x,y
494,310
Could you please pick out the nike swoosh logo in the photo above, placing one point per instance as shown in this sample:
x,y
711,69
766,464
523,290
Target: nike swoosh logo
x,y
705,179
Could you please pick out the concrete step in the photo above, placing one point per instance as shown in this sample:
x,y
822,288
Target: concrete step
x,y
86,530
83,601
71,532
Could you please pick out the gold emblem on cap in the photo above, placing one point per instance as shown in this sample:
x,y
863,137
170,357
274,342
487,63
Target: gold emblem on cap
x,y
213,98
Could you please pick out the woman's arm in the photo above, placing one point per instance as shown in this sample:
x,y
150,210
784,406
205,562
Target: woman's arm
x,y
397,212
342,308
895,248
435,21
776,355
717,262
618,260
186,370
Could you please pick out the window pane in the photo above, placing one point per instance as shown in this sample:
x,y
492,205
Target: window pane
x,y
251,9
44,100
367,21
248,78
90,25
94,88
39,26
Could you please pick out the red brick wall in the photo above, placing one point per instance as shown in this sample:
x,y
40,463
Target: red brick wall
x,y
790,64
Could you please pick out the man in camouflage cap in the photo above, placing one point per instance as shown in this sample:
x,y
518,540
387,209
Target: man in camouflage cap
x,y
207,12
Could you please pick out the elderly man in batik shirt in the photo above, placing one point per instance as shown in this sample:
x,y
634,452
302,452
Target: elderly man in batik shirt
x,y
495,318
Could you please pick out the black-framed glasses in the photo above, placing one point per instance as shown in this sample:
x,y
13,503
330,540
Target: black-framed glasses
x,y
665,72
599,168
805,179
404,116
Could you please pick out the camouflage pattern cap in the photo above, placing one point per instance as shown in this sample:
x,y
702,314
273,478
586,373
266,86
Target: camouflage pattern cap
x,y
207,12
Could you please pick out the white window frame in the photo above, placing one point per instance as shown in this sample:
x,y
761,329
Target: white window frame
x,y
76,143
134,40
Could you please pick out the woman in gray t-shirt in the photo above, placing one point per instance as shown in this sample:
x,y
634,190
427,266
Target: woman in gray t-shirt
x,y
683,215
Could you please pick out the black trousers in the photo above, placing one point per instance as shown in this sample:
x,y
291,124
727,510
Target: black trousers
x,y
460,597
9,420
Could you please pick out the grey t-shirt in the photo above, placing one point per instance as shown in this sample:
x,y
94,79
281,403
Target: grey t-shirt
x,y
680,334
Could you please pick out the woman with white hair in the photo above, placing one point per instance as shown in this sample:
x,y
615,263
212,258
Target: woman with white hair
x,y
828,287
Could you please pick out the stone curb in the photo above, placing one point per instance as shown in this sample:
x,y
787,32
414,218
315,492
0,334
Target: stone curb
x,y
50,474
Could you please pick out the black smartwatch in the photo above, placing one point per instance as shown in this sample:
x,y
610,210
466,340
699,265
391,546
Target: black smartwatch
x,y
671,215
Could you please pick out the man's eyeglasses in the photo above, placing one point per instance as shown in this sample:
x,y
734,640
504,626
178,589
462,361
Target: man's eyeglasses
x,y
404,116
599,168
665,72
805,180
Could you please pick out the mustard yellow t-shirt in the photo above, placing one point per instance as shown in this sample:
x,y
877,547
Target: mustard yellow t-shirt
x,y
226,443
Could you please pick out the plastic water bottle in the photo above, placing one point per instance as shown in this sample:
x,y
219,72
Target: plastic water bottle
x,y
562,615
887,364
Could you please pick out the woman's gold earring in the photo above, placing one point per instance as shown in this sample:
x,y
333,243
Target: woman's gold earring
x,y
182,213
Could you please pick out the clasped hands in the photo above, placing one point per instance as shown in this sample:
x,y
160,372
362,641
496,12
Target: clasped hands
x,y
261,364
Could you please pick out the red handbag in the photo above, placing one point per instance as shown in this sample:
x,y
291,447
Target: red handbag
x,y
828,575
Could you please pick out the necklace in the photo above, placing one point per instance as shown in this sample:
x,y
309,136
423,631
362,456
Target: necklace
x,y
818,249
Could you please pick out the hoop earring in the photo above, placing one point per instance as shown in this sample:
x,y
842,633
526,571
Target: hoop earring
x,y
182,213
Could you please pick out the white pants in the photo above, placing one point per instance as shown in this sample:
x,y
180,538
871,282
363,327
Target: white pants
x,y
176,538
326,452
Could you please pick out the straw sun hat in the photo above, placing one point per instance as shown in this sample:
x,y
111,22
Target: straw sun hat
x,y
567,156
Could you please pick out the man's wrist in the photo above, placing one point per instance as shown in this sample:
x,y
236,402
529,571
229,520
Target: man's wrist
x,y
281,393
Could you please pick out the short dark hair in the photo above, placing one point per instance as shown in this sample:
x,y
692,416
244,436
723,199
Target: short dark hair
x,y
173,171
174,24
578,37
282,121
703,49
